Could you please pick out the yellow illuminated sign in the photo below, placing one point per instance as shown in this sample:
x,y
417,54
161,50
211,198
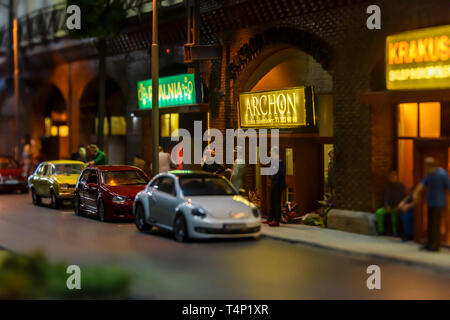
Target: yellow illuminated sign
x,y
291,107
418,59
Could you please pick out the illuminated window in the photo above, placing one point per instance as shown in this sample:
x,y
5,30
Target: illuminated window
x,y
407,120
430,119
169,123
48,126
54,131
415,120
289,161
118,126
63,131
105,126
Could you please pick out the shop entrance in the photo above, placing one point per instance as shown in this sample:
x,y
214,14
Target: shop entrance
x,y
439,150
422,129
303,158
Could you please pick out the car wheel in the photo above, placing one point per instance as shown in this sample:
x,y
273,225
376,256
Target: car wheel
x,y
141,224
101,211
54,200
76,206
37,200
180,229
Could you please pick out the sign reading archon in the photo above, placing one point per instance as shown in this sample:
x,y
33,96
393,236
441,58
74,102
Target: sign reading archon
x,y
176,90
418,59
286,108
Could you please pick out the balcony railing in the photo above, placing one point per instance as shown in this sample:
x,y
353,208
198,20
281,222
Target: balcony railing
x,y
47,24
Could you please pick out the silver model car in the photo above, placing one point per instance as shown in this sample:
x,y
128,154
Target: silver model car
x,y
195,204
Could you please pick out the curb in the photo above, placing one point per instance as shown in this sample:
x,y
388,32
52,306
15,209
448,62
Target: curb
x,y
411,263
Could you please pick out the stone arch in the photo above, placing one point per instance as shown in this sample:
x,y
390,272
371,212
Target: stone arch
x,y
115,115
50,125
301,39
270,58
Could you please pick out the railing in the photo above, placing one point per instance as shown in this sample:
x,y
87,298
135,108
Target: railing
x,y
49,23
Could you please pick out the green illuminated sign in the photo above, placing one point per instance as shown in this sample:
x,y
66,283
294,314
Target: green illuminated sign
x,y
176,90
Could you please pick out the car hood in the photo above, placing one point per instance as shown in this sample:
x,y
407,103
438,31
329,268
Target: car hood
x,y
66,179
13,172
225,207
125,191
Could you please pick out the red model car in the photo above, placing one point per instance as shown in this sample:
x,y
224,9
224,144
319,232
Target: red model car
x,y
108,191
12,176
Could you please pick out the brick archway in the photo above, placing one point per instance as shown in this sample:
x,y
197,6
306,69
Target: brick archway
x,y
266,50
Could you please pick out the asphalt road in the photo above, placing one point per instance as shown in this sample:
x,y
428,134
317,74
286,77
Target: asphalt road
x,y
242,269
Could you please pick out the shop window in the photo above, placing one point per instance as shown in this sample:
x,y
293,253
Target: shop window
x,y
430,119
105,126
407,120
48,126
118,126
63,131
169,123
289,161
415,120
54,131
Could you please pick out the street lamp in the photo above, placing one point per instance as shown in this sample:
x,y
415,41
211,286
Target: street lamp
x,y
155,91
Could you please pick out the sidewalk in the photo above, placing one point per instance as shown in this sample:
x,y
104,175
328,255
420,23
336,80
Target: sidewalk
x,y
387,248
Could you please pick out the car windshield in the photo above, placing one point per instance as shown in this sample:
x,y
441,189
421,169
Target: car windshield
x,y
205,186
67,168
124,178
7,163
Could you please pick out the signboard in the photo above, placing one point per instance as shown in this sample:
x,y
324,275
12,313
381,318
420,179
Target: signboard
x,y
286,108
178,90
418,59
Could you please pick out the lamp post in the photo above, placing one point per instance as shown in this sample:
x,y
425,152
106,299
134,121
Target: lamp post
x,y
155,91
17,89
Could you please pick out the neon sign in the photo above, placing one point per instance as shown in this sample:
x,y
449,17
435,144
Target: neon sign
x,y
175,90
287,108
418,59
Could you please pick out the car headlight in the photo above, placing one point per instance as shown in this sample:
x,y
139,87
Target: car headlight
x,y
255,212
199,212
119,199
64,186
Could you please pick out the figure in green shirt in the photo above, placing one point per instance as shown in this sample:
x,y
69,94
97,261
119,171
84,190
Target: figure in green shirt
x,y
97,154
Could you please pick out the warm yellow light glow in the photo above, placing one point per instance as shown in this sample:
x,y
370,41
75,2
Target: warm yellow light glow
x,y
407,120
48,126
54,131
118,126
430,119
169,123
63,131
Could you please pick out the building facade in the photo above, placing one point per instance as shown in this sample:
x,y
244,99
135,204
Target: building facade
x,y
264,46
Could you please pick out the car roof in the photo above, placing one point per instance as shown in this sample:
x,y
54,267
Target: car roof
x,y
115,168
63,162
181,173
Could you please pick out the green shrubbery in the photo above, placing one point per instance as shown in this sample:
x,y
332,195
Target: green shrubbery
x,y
33,276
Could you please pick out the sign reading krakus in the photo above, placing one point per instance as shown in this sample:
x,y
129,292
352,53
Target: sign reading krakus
x,y
418,59
286,108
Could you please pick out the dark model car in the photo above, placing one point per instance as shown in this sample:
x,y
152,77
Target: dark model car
x,y
108,192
